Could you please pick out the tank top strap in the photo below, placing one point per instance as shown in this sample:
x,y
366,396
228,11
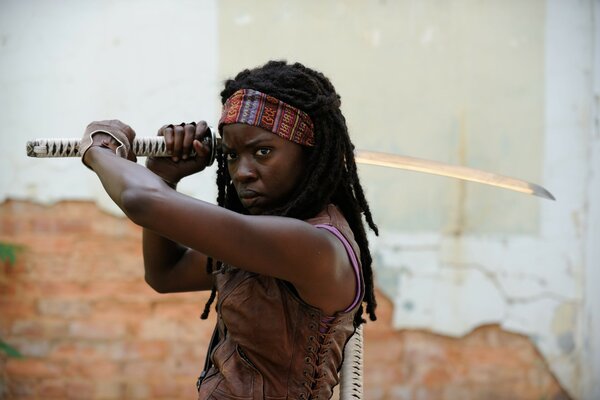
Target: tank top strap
x,y
353,261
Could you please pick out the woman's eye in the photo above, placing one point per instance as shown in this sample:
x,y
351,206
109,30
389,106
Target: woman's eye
x,y
263,152
231,156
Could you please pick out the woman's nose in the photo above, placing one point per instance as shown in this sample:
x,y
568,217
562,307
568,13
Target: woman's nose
x,y
245,170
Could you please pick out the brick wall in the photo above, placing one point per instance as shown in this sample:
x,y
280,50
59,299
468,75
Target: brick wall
x,y
76,307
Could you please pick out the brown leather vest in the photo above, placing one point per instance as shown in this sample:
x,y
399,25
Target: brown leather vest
x,y
273,345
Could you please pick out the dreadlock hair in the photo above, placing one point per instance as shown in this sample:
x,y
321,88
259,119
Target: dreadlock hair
x,y
330,175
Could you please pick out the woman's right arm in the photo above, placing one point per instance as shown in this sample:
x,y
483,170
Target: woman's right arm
x,y
170,267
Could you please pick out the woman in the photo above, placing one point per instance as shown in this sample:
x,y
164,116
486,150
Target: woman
x,y
292,264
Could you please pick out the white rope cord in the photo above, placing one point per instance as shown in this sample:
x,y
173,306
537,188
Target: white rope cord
x,y
351,374
153,146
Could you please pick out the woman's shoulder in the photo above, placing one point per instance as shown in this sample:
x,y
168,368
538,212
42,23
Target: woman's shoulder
x,y
329,215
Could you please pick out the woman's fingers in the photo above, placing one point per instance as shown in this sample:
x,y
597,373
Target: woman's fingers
x,y
189,132
178,139
177,142
167,132
201,130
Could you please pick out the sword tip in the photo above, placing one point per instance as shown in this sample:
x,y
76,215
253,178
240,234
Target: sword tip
x,y
541,192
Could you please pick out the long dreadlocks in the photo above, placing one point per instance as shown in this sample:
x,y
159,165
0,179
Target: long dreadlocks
x,y
330,175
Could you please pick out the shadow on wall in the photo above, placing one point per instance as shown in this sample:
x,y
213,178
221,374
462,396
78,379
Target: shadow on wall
x,y
75,307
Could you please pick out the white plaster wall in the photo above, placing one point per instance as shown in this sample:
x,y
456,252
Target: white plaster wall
x,y
68,62
591,316
458,81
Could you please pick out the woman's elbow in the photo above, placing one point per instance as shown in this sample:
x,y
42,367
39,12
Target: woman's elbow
x,y
136,204
156,284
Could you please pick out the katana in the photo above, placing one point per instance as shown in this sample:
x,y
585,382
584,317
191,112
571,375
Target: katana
x,y
155,147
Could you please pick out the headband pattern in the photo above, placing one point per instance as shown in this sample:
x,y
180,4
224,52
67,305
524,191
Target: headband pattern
x,y
251,107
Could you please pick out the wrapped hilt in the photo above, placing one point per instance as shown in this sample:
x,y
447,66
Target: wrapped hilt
x,y
153,146
351,374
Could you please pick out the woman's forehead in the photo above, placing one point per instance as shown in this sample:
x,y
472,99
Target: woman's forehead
x,y
238,134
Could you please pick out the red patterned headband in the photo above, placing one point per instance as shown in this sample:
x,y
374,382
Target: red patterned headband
x,y
251,107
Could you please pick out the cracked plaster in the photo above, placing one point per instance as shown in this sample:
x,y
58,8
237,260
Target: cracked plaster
x,y
525,287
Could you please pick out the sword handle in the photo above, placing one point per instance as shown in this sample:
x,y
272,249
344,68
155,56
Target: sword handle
x,y
351,374
153,146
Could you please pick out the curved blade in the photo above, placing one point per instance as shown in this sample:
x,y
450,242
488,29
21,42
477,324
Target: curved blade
x,y
453,171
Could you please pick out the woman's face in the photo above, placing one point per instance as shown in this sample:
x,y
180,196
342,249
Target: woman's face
x,y
264,167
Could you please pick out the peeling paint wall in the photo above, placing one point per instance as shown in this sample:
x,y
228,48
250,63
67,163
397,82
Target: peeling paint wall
x,y
510,87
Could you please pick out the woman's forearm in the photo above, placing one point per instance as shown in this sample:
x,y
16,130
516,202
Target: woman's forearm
x,y
170,267
161,255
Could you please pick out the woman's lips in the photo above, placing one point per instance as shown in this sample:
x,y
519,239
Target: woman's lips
x,y
248,198
247,194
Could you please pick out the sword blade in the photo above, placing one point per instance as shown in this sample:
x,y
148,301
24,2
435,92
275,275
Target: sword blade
x,y
155,146
452,171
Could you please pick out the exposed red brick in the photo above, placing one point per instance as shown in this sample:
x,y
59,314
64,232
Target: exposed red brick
x,y
136,390
109,390
32,368
21,388
69,349
488,363
98,370
146,350
98,328
142,370
80,389
7,288
52,388
13,307
65,308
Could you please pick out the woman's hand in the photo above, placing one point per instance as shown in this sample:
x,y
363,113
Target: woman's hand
x,y
180,140
111,134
